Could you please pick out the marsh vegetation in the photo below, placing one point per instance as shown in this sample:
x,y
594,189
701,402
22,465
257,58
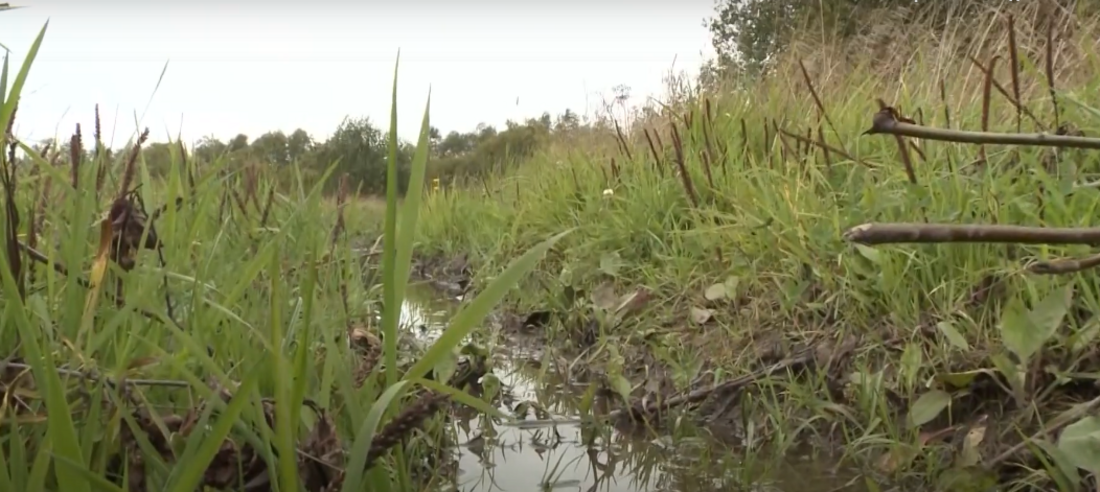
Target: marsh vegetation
x,y
858,262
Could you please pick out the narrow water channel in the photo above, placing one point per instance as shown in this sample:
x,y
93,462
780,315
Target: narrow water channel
x,y
542,453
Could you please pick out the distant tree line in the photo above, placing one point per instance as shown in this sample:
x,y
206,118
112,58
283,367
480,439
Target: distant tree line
x,y
361,150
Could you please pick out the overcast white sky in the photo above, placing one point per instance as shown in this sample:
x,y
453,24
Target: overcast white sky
x,y
249,67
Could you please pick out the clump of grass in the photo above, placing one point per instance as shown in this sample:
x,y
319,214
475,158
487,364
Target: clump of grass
x,y
196,375
748,267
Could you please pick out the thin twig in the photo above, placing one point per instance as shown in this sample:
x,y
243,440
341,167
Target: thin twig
x,y
91,376
1059,422
1065,266
60,269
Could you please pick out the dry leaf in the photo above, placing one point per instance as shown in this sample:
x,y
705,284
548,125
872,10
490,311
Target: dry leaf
x,y
700,315
604,297
715,292
969,455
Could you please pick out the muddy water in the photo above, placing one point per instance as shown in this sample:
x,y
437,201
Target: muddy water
x,y
547,450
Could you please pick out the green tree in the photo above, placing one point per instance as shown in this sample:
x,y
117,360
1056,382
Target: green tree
x,y
748,34
298,145
240,142
272,148
362,151
209,149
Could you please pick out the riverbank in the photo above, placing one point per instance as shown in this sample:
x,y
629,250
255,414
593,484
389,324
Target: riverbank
x,y
709,247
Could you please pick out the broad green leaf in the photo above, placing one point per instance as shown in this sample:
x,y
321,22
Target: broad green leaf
x,y
1080,441
621,386
473,313
870,253
1019,332
927,407
952,335
446,366
1049,313
1061,460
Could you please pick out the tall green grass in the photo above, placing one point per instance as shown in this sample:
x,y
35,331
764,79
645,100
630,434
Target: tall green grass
x,y
254,312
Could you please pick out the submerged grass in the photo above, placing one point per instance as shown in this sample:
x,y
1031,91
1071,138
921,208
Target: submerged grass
x,y
726,208
188,365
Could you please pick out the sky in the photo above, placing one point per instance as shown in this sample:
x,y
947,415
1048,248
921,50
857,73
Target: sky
x,y
249,67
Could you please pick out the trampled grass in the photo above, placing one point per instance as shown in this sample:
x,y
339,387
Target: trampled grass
x,y
934,362
186,357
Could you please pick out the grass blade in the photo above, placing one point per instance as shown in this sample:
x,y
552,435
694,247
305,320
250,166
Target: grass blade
x,y
472,314
8,109
361,447
193,470
410,211
391,304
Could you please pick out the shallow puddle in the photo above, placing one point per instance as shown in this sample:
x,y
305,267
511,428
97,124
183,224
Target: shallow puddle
x,y
547,451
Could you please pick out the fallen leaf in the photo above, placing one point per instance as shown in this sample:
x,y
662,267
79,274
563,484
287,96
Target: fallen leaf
x,y
700,315
969,454
715,292
896,459
604,296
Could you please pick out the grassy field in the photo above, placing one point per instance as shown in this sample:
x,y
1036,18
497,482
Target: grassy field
x,y
933,362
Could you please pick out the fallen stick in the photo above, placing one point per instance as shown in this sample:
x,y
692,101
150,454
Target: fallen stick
x,y
886,121
637,410
914,232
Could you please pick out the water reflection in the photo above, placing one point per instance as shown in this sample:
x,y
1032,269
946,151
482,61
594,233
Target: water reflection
x,y
549,452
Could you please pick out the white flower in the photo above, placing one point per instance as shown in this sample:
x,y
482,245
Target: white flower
x,y
608,192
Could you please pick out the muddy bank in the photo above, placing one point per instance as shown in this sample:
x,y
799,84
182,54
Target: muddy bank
x,y
894,398
553,445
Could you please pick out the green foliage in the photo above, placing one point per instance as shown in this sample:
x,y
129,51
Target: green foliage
x,y
748,35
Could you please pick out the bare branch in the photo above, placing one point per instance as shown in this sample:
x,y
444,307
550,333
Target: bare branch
x,y
885,121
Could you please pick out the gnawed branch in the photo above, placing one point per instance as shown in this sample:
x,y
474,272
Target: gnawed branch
x,y
913,232
887,122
